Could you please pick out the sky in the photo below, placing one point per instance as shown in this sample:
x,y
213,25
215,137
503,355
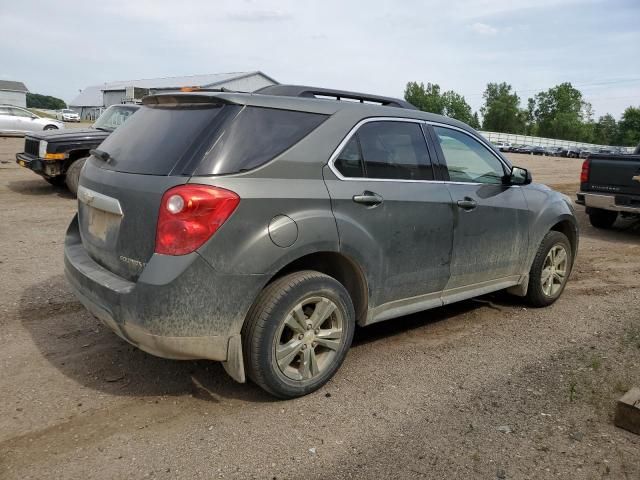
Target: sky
x,y
58,48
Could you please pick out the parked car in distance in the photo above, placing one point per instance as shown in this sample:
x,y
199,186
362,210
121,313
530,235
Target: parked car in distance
x,y
573,152
585,152
554,151
538,150
18,121
503,146
67,115
610,187
58,157
267,225
525,149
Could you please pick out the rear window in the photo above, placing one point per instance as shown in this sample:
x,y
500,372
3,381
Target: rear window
x,y
204,139
256,136
158,138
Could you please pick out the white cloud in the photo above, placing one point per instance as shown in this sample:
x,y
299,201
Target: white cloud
x,y
484,29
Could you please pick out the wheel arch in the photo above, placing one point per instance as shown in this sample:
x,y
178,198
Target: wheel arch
x,y
337,265
570,230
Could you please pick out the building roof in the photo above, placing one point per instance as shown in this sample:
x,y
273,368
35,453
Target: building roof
x,y
207,80
92,95
13,86
89,97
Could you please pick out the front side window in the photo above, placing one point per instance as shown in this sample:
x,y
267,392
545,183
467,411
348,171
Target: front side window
x,y
467,159
388,150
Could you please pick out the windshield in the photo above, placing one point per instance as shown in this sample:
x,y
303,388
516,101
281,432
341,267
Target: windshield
x,y
68,111
114,116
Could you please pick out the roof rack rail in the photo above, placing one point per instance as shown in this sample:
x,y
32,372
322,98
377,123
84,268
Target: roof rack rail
x,y
331,94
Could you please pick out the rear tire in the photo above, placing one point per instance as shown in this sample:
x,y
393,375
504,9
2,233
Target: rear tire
x,y
297,333
550,270
602,218
73,175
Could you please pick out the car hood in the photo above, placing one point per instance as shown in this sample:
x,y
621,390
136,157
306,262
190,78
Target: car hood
x,y
66,135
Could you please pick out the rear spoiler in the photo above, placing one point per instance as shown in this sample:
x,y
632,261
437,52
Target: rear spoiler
x,y
185,98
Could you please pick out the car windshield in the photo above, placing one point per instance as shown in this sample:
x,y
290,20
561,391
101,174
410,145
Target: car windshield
x,y
68,111
113,117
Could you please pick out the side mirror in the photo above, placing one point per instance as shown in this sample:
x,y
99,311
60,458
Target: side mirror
x,y
520,176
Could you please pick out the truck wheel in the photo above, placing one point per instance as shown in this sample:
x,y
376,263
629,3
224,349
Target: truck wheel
x,y
73,175
297,333
56,181
602,218
550,270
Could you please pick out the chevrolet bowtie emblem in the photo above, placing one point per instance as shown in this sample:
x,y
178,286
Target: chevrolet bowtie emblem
x,y
636,178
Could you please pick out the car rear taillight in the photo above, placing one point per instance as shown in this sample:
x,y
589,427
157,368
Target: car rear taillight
x,y
189,215
584,174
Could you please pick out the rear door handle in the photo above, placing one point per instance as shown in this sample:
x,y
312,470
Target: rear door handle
x,y
368,198
467,204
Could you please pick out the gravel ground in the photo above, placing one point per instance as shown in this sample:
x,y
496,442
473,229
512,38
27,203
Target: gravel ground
x,y
483,389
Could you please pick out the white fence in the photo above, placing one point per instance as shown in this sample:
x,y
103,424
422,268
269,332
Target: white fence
x,y
515,139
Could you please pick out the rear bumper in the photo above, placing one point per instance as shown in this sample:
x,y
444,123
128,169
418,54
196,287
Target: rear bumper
x,y
606,202
46,168
179,308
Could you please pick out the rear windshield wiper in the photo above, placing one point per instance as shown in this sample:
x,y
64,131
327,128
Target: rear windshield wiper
x,y
102,155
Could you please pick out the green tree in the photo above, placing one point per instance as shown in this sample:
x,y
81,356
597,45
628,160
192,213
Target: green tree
x,y
455,106
475,121
430,99
35,100
501,109
605,130
629,127
426,99
560,112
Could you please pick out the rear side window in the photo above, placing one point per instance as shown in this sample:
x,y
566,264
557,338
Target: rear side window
x,y
386,150
157,138
256,136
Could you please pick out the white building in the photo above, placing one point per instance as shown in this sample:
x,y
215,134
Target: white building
x,y
13,93
93,99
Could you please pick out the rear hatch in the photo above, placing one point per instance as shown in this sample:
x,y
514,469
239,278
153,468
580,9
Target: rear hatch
x,y
617,174
121,188
170,139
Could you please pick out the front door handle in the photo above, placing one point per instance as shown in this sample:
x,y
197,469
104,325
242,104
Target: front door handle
x,y
467,204
368,198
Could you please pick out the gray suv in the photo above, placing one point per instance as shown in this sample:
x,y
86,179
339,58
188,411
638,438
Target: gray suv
x,y
260,229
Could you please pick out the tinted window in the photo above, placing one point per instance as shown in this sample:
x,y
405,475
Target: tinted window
x,y
349,162
467,159
156,138
394,150
256,136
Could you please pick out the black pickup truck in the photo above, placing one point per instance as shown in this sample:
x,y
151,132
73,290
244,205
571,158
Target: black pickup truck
x,y
609,187
59,155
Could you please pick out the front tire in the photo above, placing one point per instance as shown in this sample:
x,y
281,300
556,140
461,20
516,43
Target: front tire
x,y
73,175
602,218
298,333
50,127
550,270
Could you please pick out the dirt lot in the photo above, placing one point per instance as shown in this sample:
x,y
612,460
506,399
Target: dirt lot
x,y
482,389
